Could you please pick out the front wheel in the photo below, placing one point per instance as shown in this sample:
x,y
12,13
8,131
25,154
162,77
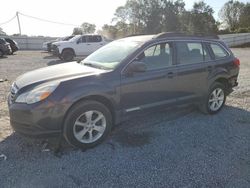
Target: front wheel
x,y
215,99
67,55
87,124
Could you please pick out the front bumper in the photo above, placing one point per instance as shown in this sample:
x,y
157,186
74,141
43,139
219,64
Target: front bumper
x,y
43,119
55,51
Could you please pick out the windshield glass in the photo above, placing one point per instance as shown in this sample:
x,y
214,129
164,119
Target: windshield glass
x,y
75,38
109,56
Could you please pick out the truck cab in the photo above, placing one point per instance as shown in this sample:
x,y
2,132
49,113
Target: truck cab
x,y
80,45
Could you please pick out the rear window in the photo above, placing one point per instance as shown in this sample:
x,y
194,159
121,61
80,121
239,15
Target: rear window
x,y
218,51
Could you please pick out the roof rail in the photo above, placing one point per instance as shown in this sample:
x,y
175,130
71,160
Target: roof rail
x,y
177,34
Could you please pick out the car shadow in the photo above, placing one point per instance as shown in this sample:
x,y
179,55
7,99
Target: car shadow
x,y
132,133
172,142
51,56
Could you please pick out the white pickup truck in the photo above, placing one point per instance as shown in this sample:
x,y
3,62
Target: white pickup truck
x,y
80,45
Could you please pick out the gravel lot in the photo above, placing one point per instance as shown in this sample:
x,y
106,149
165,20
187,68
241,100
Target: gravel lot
x,y
177,148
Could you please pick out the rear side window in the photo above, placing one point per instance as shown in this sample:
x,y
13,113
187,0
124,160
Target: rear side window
x,y
218,51
191,52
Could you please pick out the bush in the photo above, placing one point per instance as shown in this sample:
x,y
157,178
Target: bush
x,y
243,30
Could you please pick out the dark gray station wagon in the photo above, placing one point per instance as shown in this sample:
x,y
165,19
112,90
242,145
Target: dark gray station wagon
x,y
82,101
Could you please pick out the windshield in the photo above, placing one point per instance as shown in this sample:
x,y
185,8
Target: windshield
x,y
109,56
74,38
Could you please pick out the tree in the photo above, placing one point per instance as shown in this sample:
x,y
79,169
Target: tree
x,y
109,31
77,31
230,14
244,20
2,32
88,28
200,19
172,12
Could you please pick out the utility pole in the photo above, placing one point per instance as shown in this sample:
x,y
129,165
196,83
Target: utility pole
x,y
19,25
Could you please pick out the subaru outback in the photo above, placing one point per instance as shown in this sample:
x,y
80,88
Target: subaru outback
x,y
83,101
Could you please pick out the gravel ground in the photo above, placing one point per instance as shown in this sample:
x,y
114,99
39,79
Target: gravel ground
x,y
177,148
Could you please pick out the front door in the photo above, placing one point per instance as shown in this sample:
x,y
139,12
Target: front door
x,y
155,86
82,47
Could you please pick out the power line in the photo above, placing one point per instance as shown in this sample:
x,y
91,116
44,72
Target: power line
x,y
8,20
45,20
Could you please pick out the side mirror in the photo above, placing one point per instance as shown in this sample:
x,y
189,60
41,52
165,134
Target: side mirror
x,y
136,66
77,42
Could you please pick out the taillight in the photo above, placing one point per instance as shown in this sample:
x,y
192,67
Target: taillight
x,y
237,62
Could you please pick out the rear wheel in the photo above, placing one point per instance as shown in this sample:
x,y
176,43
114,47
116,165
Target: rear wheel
x,y
87,124
67,55
215,99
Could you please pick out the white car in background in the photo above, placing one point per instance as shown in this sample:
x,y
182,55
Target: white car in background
x,y
80,45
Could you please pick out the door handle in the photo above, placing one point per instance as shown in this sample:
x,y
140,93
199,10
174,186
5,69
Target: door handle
x,y
88,44
170,74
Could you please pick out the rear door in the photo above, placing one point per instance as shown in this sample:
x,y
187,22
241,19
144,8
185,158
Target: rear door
x,y
194,65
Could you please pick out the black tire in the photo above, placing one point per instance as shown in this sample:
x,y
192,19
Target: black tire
x,y
67,55
77,111
60,57
205,106
1,53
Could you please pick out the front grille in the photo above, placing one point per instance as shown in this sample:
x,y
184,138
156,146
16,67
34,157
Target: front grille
x,y
13,92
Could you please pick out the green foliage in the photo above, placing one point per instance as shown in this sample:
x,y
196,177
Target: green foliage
x,y
77,31
200,19
244,20
231,13
2,32
155,16
88,28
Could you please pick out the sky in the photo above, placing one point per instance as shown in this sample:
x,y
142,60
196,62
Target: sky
x,y
73,12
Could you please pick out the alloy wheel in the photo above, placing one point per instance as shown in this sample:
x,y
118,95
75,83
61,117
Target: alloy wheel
x,y
89,126
216,99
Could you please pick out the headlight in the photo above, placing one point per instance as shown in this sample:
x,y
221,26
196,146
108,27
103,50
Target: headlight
x,y
37,94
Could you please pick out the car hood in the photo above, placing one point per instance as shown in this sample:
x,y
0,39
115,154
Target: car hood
x,y
56,72
61,42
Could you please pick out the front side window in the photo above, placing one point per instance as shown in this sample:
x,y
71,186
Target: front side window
x,y
157,56
82,39
218,51
191,52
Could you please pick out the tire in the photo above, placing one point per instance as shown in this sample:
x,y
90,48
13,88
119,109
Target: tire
x,y
80,124
215,99
67,55
60,57
1,53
